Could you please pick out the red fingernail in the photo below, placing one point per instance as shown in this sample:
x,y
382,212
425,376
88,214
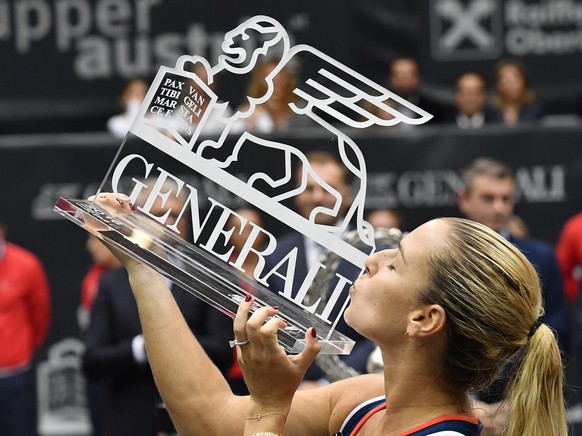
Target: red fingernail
x,y
276,307
248,298
313,332
133,207
119,201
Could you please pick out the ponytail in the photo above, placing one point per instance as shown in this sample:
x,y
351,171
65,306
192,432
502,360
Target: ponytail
x,y
535,397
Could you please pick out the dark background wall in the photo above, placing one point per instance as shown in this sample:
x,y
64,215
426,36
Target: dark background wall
x,y
64,61
416,172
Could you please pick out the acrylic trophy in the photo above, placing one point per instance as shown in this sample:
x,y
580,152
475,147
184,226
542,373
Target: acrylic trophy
x,y
188,143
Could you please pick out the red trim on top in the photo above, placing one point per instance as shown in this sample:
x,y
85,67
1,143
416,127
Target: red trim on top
x,y
473,420
357,428
366,417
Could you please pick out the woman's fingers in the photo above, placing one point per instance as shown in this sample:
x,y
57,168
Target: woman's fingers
x,y
240,320
114,200
260,329
311,350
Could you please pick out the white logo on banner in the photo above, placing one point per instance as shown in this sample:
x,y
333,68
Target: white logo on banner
x,y
463,30
179,103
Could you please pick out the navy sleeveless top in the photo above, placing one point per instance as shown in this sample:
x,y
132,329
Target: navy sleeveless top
x,y
449,425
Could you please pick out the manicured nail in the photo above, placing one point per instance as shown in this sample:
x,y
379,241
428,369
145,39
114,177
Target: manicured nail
x,y
276,307
248,298
133,207
119,201
313,332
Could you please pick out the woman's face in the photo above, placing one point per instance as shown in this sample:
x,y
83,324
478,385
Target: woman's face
x,y
510,83
383,298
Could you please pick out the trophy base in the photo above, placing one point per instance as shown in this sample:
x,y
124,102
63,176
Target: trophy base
x,y
197,271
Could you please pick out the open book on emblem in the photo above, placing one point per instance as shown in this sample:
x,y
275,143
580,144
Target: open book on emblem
x,y
188,144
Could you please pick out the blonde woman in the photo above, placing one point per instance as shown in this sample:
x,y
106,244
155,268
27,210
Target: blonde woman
x,y
448,308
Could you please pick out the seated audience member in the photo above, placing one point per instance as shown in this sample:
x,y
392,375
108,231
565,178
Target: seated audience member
x,y
333,172
132,95
275,114
384,218
470,109
212,125
517,227
405,80
514,100
449,308
488,198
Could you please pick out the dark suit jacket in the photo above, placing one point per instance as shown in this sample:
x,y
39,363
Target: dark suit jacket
x,y
132,394
532,112
358,358
450,115
542,257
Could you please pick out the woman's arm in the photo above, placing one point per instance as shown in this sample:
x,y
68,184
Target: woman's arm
x,y
195,392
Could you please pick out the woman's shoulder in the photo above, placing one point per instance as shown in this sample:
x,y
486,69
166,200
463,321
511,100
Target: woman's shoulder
x,y
347,395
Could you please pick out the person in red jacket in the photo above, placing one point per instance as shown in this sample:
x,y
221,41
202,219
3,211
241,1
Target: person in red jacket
x,y
569,253
24,323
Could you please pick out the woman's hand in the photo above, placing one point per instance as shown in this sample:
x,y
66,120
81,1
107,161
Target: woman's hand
x,y
117,203
271,376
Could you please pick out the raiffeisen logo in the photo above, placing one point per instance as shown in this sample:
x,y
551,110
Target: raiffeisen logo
x,y
465,29
551,27
486,29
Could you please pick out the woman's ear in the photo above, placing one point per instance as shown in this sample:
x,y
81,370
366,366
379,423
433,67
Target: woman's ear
x,y
427,321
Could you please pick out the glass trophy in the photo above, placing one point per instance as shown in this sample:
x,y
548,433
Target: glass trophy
x,y
189,144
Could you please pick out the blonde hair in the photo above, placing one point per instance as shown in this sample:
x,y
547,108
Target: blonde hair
x,y
492,298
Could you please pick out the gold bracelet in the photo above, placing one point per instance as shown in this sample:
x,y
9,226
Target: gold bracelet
x,y
265,433
259,416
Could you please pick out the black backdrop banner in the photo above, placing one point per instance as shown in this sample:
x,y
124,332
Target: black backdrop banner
x,y
65,61
68,59
416,172
450,37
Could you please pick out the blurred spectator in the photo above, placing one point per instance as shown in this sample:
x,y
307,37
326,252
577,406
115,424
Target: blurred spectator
x,y
384,218
275,113
514,100
24,324
405,81
470,104
517,227
378,112
488,198
132,95
212,125
315,196
115,348
102,259
569,252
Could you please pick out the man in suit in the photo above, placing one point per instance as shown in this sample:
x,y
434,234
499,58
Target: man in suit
x,y
115,348
470,110
327,166
405,80
488,197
